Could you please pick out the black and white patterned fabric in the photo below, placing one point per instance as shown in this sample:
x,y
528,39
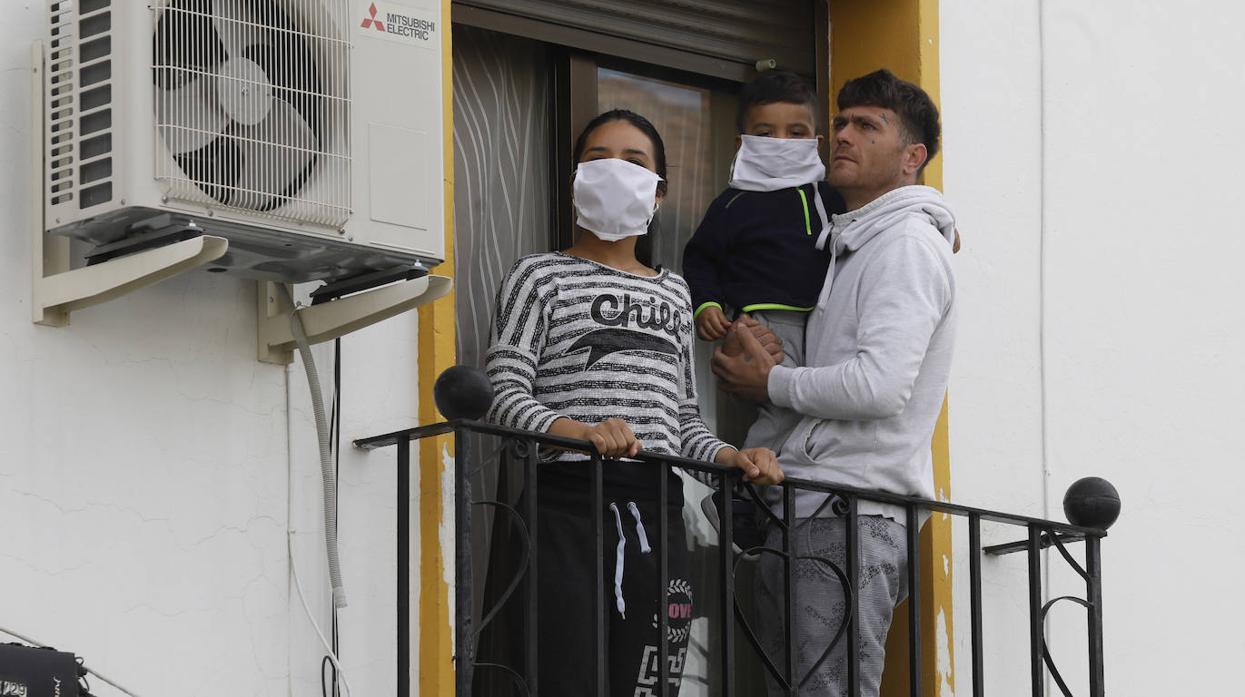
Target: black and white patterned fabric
x,y
575,338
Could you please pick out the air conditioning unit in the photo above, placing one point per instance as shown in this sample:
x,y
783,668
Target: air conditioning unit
x,y
307,133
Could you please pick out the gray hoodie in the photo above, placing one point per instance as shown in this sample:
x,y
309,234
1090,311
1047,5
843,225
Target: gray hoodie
x,y
878,350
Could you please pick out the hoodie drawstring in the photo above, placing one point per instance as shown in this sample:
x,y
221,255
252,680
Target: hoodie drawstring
x,y
825,219
834,260
620,557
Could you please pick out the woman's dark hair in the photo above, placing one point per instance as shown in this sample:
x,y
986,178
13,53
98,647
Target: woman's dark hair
x,y
642,124
644,246
775,87
917,113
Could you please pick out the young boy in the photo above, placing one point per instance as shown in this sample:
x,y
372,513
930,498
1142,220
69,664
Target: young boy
x,y
763,246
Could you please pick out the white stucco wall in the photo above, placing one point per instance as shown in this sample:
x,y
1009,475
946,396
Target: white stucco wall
x,y
146,484
1126,267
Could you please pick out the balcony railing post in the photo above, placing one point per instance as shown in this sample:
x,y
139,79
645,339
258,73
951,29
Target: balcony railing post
x,y
404,567
974,591
1035,609
914,602
530,651
790,560
464,582
1093,568
728,584
663,580
853,577
598,522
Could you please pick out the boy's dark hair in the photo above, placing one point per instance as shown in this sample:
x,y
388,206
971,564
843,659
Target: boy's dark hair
x,y
771,87
918,117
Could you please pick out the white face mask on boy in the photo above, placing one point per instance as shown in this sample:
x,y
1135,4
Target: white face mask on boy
x,y
771,164
774,164
614,199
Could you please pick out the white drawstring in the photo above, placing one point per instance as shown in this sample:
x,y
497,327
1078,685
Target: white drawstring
x,y
825,219
829,283
618,563
639,528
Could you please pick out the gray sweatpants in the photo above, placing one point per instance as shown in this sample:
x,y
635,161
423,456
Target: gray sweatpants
x,y
820,605
773,423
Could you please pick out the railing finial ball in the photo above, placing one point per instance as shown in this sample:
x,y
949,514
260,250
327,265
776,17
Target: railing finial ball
x,y
1092,502
463,392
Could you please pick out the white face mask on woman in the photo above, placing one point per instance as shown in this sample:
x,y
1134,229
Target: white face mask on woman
x,y
771,164
614,199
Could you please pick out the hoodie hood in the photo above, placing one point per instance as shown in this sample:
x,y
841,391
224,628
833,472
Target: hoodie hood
x,y
855,228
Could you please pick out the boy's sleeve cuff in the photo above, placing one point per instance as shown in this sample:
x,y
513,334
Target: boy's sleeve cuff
x,y
779,385
702,308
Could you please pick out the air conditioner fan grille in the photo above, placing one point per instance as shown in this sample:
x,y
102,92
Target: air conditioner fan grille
x,y
252,106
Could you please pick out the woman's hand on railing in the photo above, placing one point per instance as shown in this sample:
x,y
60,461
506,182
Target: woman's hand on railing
x,y
613,438
759,465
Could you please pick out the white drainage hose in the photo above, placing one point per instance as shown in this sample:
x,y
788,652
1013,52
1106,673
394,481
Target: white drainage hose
x,y
326,460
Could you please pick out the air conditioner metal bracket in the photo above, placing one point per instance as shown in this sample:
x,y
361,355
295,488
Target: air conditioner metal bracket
x,y
58,288
66,290
330,320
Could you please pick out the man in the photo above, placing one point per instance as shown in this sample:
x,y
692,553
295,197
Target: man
x,y
878,355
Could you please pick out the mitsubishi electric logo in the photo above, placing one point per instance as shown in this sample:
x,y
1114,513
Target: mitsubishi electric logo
x,y
404,24
373,21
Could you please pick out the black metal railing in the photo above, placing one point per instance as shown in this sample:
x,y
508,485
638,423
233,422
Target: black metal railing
x,y
522,449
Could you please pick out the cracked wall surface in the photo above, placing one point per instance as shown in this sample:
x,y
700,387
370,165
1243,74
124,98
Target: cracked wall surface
x,y
150,468
1100,278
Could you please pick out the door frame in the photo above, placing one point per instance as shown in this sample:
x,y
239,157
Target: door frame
x,y
857,36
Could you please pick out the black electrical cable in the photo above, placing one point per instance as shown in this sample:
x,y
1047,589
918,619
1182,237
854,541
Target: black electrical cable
x,y
335,434
84,685
324,689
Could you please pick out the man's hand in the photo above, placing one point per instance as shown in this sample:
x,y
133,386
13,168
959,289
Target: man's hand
x,y
759,465
746,374
712,324
768,339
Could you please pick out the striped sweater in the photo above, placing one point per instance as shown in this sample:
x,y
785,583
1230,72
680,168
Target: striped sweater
x,y
575,338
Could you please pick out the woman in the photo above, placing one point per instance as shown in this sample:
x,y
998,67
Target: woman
x,y
590,343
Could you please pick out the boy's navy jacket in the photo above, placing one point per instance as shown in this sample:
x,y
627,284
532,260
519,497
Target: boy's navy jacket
x,y
757,250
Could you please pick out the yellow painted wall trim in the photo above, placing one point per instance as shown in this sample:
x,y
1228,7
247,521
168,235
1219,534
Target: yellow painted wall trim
x,y
902,35
437,351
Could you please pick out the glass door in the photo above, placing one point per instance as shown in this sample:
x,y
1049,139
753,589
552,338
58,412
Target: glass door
x,y
683,116
518,106
697,124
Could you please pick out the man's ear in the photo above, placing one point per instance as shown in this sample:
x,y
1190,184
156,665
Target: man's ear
x,y
914,157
